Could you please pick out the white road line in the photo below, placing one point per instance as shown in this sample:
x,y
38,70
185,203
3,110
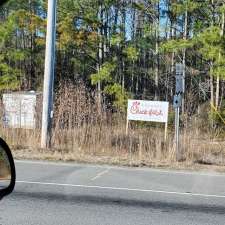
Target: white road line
x,y
124,189
100,174
58,164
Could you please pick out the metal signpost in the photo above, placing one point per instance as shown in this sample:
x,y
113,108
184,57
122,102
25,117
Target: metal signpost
x,y
177,104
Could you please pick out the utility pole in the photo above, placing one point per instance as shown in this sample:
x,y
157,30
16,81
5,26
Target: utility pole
x,y
47,112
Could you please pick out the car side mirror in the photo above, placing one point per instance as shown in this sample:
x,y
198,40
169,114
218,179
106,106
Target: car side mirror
x,y
7,170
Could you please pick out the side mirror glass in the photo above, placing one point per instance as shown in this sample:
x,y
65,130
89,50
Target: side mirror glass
x,y
7,170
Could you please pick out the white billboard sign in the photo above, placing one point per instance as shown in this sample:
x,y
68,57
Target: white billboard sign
x,y
19,110
155,111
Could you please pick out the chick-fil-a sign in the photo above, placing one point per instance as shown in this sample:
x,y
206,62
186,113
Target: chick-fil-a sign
x,y
155,111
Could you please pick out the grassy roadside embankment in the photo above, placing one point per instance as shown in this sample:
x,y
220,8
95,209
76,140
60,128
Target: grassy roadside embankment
x,y
82,133
109,145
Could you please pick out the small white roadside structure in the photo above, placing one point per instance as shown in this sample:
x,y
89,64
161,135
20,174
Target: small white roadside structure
x,y
155,111
20,110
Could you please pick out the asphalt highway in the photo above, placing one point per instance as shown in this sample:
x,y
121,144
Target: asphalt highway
x,y
79,194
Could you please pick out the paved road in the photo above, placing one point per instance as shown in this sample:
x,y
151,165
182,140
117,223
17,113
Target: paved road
x,y
67,194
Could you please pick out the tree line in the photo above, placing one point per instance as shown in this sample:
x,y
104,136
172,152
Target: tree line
x,y
121,49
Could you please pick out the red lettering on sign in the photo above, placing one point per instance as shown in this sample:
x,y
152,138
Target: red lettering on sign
x,y
135,109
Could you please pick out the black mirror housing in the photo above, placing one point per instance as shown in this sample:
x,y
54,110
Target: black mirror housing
x,y
5,150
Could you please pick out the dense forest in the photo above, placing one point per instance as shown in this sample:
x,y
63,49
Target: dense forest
x,y
120,49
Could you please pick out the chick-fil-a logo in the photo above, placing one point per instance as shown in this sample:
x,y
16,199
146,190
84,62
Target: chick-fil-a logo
x,y
136,109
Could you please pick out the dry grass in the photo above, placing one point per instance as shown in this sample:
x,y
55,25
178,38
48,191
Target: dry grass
x,y
4,170
82,133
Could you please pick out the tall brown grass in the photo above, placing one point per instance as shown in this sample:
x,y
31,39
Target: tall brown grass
x,y
80,129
